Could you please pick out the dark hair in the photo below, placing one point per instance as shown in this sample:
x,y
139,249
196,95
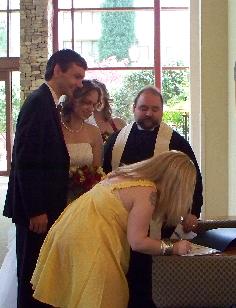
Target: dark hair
x,y
79,94
153,90
107,111
64,58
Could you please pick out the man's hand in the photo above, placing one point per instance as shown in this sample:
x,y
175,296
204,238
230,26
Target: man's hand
x,y
38,224
190,223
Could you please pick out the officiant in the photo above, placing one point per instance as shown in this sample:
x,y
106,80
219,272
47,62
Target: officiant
x,y
146,137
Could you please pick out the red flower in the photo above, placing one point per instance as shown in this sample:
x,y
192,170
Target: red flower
x,y
85,177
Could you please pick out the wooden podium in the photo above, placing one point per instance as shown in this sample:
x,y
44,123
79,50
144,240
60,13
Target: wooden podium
x,y
198,281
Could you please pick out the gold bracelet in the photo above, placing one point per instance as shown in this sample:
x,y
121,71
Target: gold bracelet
x,y
162,251
168,248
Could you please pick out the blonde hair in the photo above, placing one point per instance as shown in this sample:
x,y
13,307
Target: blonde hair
x,y
174,175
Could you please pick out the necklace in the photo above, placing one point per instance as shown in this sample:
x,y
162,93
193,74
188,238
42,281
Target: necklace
x,y
72,130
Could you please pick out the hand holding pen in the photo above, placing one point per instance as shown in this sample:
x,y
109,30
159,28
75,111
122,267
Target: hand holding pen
x,y
183,246
178,235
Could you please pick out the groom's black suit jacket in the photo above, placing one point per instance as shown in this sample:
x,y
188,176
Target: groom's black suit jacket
x,y
40,162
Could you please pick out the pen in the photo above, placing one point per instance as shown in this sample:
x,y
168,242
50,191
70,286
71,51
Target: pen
x,y
177,234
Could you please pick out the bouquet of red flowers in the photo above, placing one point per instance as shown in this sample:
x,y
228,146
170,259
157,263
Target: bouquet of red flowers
x,y
82,179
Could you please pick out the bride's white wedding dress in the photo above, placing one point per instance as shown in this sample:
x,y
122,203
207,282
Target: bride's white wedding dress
x,y
80,154
8,278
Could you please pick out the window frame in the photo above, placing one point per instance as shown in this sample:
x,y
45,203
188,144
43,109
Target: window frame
x,y
157,68
8,11
7,66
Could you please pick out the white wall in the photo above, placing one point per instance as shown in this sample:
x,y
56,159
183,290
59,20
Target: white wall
x,y
214,105
232,105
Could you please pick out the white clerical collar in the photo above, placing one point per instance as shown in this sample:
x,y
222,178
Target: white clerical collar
x,y
140,128
54,95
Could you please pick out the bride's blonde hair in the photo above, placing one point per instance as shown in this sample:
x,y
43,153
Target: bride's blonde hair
x,y
174,175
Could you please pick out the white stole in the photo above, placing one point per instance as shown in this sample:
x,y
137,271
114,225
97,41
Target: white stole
x,y
119,145
162,144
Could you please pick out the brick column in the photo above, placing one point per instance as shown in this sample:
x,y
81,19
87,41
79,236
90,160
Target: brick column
x,y
34,44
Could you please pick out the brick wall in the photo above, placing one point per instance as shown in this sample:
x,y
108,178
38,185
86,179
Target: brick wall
x,y
34,44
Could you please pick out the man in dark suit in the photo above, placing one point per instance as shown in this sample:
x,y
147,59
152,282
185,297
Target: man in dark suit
x,y
37,186
138,141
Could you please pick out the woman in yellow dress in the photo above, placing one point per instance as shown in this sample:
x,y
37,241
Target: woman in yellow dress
x,y
85,256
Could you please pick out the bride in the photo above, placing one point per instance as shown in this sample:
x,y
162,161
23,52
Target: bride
x,y
84,145
84,141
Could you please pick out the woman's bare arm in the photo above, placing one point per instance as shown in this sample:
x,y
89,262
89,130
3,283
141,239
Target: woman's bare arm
x,y
119,123
140,216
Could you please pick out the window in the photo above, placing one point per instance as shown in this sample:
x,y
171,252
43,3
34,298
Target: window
x,y
9,28
129,44
9,78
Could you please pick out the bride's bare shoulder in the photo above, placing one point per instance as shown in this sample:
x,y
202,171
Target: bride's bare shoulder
x,y
92,128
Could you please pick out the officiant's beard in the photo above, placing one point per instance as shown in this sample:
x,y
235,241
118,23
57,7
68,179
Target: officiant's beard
x,y
148,123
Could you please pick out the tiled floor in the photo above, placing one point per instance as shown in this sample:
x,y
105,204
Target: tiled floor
x,y
4,222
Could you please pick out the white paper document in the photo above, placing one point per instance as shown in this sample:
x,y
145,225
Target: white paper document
x,y
198,250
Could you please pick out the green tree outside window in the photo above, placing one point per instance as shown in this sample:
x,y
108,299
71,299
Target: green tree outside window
x,y
118,33
175,87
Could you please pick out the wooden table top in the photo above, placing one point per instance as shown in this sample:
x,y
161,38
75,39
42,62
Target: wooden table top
x,y
230,251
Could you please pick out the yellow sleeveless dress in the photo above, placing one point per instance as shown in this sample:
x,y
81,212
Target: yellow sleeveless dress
x,y
85,256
